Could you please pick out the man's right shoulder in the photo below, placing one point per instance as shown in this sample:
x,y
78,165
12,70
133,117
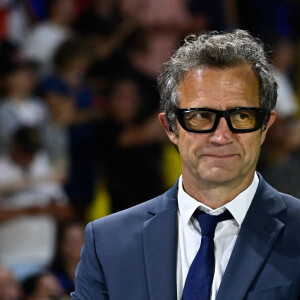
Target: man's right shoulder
x,y
138,214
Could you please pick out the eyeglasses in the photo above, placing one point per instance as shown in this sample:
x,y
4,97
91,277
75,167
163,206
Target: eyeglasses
x,y
239,119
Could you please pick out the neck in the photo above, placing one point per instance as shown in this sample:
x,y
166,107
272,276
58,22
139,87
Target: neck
x,y
215,195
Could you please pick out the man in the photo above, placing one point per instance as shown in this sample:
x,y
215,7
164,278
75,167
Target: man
x,y
218,96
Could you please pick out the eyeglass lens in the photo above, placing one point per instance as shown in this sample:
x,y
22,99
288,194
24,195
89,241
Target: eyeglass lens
x,y
205,120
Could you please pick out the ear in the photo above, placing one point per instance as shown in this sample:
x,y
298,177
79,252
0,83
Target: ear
x,y
270,123
165,124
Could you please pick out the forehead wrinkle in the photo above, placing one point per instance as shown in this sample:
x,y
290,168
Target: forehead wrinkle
x,y
193,85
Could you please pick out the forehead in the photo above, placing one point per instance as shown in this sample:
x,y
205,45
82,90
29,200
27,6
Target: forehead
x,y
219,88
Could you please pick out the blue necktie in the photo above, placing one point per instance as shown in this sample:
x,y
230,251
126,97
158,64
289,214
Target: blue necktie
x,y
200,276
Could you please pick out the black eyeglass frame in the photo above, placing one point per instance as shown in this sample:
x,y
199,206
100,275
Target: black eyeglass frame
x,y
263,118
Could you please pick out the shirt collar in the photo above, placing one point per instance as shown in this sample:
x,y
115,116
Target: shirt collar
x,y
238,207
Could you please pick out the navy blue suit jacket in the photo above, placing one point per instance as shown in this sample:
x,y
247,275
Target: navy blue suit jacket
x,y
131,255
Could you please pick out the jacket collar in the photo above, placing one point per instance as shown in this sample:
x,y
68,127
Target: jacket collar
x,y
160,246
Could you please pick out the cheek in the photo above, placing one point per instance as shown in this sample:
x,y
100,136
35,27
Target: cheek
x,y
190,144
251,147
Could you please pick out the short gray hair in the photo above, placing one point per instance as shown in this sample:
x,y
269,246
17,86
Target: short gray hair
x,y
216,50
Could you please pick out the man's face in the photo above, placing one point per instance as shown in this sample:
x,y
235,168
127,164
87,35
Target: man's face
x,y
221,157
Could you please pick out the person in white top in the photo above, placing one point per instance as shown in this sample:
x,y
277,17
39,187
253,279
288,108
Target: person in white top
x,y
42,40
20,107
218,96
31,201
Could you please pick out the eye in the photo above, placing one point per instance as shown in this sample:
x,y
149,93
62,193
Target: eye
x,y
201,115
242,116
200,120
243,119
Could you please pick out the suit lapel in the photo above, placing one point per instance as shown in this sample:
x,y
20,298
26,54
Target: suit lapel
x,y
257,237
160,248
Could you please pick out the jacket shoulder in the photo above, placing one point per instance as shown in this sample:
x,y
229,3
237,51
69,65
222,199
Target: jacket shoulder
x,y
139,213
293,206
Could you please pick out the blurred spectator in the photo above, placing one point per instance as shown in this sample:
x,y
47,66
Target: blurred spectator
x,y
162,24
42,286
108,34
69,243
160,27
132,172
283,137
9,286
283,59
8,52
72,105
31,200
280,159
44,38
14,21
19,106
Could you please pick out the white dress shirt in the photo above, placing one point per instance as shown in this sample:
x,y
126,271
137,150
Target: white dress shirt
x,y
189,233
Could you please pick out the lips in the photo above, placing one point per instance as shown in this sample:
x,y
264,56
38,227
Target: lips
x,y
220,152
219,156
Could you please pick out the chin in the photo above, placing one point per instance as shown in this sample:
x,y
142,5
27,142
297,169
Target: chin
x,y
218,175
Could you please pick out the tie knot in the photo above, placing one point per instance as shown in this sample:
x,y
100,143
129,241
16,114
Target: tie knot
x,y
208,222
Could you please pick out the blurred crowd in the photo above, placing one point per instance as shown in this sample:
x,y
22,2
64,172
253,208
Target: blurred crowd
x,y
78,118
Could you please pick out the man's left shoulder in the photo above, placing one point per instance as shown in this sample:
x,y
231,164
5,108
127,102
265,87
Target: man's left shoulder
x,y
292,206
274,201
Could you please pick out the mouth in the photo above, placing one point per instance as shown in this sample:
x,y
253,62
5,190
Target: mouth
x,y
220,156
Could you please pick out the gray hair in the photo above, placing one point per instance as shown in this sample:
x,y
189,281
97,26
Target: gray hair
x,y
216,50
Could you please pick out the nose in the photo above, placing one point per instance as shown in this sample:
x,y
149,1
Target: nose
x,y
222,135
